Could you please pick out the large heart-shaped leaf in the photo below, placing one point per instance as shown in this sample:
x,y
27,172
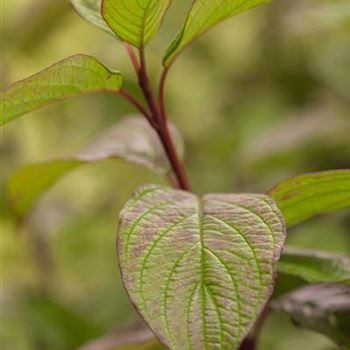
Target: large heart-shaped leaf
x,y
199,269
135,22
324,308
72,76
204,15
305,196
314,266
131,140
90,10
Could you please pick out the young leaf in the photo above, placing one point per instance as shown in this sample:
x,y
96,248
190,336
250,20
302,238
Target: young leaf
x,y
90,10
204,15
135,22
131,140
305,196
314,266
199,270
72,76
324,308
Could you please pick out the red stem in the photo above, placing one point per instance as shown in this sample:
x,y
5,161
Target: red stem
x,y
161,126
170,150
133,57
138,105
146,85
162,92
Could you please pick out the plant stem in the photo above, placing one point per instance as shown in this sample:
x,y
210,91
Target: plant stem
x,y
133,57
162,92
146,86
135,103
160,125
171,153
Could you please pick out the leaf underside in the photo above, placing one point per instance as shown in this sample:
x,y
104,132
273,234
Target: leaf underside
x,y
199,270
90,10
305,196
204,15
131,140
314,266
140,338
324,308
72,76
135,22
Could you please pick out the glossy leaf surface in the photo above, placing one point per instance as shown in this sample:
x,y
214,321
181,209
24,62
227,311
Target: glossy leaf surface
x,y
90,10
204,15
314,266
72,76
324,308
199,270
131,140
305,196
135,22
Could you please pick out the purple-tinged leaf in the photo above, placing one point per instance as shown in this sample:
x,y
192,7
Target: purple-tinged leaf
x,y
137,339
199,269
324,308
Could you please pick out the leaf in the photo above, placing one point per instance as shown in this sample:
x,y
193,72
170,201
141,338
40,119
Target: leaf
x,y
55,324
90,10
138,339
204,15
305,196
131,140
135,22
199,270
72,76
314,266
324,308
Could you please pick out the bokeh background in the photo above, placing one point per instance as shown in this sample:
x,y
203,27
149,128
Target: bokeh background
x,y
263,97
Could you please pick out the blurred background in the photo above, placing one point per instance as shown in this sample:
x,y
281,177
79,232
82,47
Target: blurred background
x,y
263,97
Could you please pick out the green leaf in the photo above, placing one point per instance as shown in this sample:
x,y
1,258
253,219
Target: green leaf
x,y
135,22
199,270
305,196
90,10
72,76
314,266
131,140
204,15
138,339
324,308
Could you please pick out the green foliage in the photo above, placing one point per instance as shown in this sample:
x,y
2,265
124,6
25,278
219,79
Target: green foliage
x,y
90,10
204,15
199,269
305,196
72,76
314,266
322,308
135,22
131,140
48,318
212,260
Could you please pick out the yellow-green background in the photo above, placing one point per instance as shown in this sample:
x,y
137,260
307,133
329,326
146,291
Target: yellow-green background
x,y
261,98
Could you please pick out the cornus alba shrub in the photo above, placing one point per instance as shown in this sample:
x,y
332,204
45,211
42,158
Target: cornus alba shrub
x,y
200,270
